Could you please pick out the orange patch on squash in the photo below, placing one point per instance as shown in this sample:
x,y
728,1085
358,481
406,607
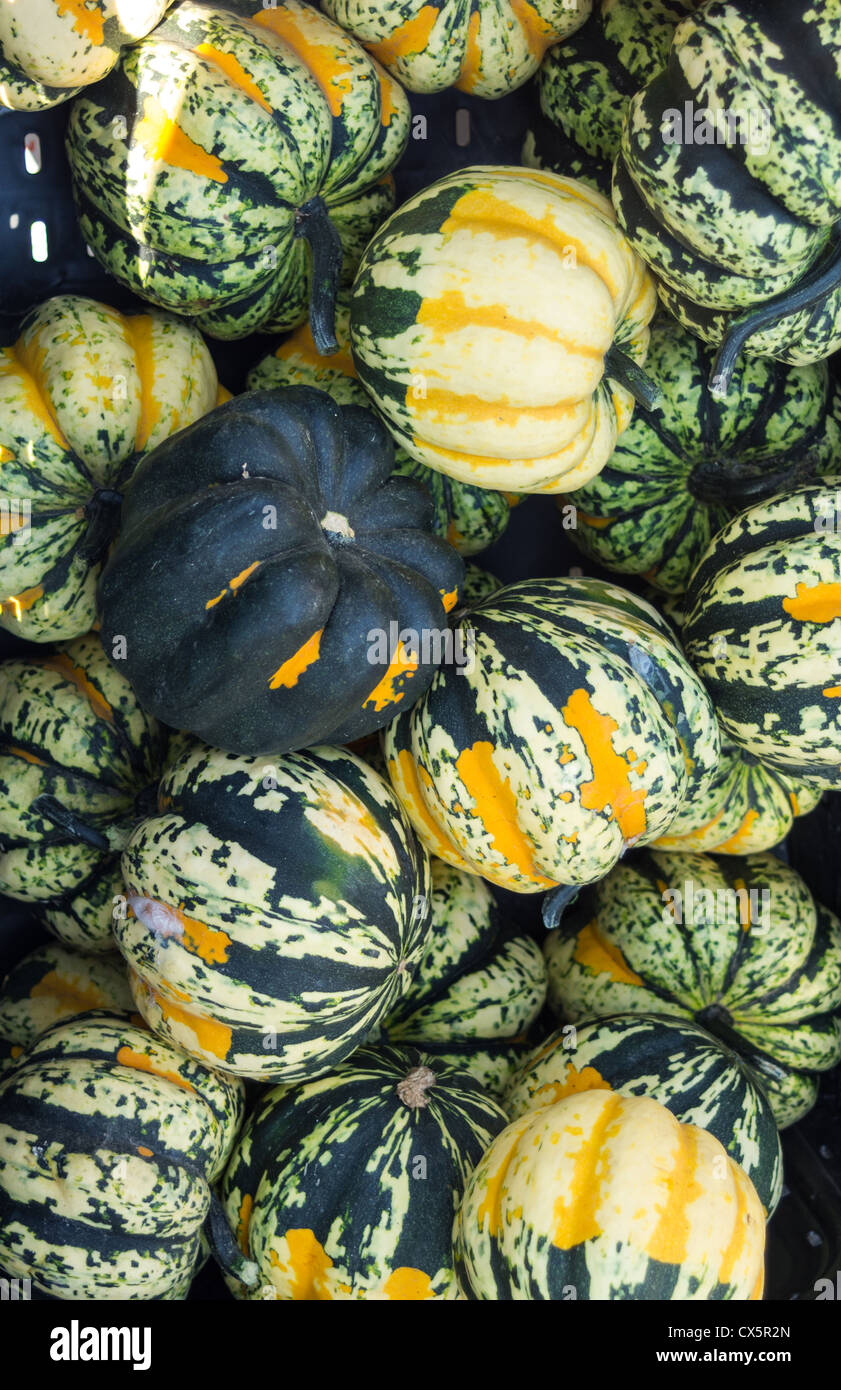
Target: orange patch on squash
x,y
71,995
576,1210
408,1285
385,692
139,1061
610,786
246,1207
140,331
212,1037
87,22
602,957
406,39
307,1266
539,33
575,1081
815,603
162,139
496,808
210,944
670,1238
290,672
75,675
234,71
736,841
332,72
471,67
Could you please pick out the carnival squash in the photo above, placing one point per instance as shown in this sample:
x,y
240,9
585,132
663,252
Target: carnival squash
x,y
54,983
84,393
737,944
497,320
236,162
605,1196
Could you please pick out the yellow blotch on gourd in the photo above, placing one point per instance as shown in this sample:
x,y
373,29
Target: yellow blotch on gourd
x,y
815,603
289,673
164,140
602,957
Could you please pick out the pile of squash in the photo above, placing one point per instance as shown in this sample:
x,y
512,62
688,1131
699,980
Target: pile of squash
x,y
272,745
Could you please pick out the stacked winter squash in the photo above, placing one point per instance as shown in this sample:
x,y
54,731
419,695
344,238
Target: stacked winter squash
x,y
278,753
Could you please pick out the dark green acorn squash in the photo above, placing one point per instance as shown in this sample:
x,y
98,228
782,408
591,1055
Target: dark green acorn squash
x,y
763,630
278,910
79,764
682,468
728,179
346,1187
235,163
54,983
297,592
478,989
737,944
675,1062
109,1141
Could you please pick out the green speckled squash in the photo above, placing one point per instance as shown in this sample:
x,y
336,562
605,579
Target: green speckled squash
x,y
236,162
577,731
763,630
487,47
603,1196
479,987
79,763
681,469
109,1141
674,1062
586,84
279,909
84,393
746,808
737,944
498,321
346,1187
55,983
470,518
49,49
729,173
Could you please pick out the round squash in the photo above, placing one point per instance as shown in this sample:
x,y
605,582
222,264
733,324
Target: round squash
x,y
469,517
763,630
236,162
603,1196
746,808
674,1062
728,179
497,320
682,469
109,1141
299,595
737,944
54,983
84,393
478,989
577,731
79,764
278,910
50,49
585,86
346,1187
487,48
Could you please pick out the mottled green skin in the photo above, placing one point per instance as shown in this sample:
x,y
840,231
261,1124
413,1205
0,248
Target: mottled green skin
x,y
312,895
109,1140
675,476
337,1160
55,983
223,248
586,84
728,226
96,753
776,984
680,1065
470,518
763,630
478,989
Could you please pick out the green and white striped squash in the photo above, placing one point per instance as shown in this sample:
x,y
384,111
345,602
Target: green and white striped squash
x,y
763,630
109,1141
497,320
470,518
279,909
585,86
728,176
748,807
236,162
50,49
487,48
346,1187
672,1061
85,392
79,763
54,983
693,936
478,989
683,468
576,730
608,1197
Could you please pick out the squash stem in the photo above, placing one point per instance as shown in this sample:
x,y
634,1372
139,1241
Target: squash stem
x,y
627,373
556,903
812,289
225,1249
739,483
69,822
313,224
